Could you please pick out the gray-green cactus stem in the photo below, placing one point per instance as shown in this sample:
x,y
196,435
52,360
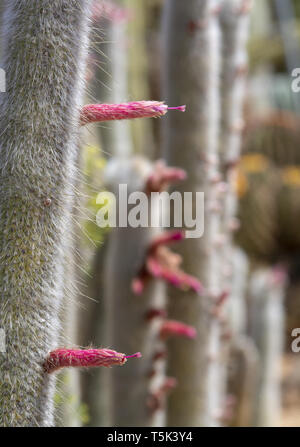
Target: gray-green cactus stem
x,y
45,45
191,76
127,326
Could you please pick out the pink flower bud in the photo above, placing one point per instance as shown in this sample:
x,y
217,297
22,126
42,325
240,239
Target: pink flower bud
x,y
61,358
176,328
136,109
162,176
167,237
162,263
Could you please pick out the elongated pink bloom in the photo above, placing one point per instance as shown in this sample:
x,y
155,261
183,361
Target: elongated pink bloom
x,y
61,358
175,277
176,328
136,109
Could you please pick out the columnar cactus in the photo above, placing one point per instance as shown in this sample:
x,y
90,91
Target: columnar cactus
x,y
136,306
234,20
45,46
267,292
243,365
234,23
192,70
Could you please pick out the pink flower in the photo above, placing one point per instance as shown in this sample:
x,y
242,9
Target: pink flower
x,y
162,176
162,263
137,109
176,328
61,358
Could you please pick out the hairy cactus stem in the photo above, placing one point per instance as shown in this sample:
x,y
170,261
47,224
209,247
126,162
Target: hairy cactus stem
x,y
45,49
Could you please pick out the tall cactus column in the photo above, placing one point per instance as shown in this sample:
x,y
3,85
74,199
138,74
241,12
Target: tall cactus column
x,y
191,74
267,291
44,51
234,21
136,305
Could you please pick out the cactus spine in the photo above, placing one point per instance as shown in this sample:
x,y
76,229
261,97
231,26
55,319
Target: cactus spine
x,y
44,53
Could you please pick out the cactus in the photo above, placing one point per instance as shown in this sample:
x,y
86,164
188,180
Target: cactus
x,y
243,354
267,291
258,188
192,68
45,48
136,306
242,381
234,21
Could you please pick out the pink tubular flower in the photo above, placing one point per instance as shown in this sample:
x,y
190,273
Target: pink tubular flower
x,y
137,109
162,263
61,358
176,328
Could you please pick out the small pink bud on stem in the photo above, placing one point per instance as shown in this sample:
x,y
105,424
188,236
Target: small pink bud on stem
x,y
168,237
62,358
156,400
162,263
162,177
135,109
176,328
